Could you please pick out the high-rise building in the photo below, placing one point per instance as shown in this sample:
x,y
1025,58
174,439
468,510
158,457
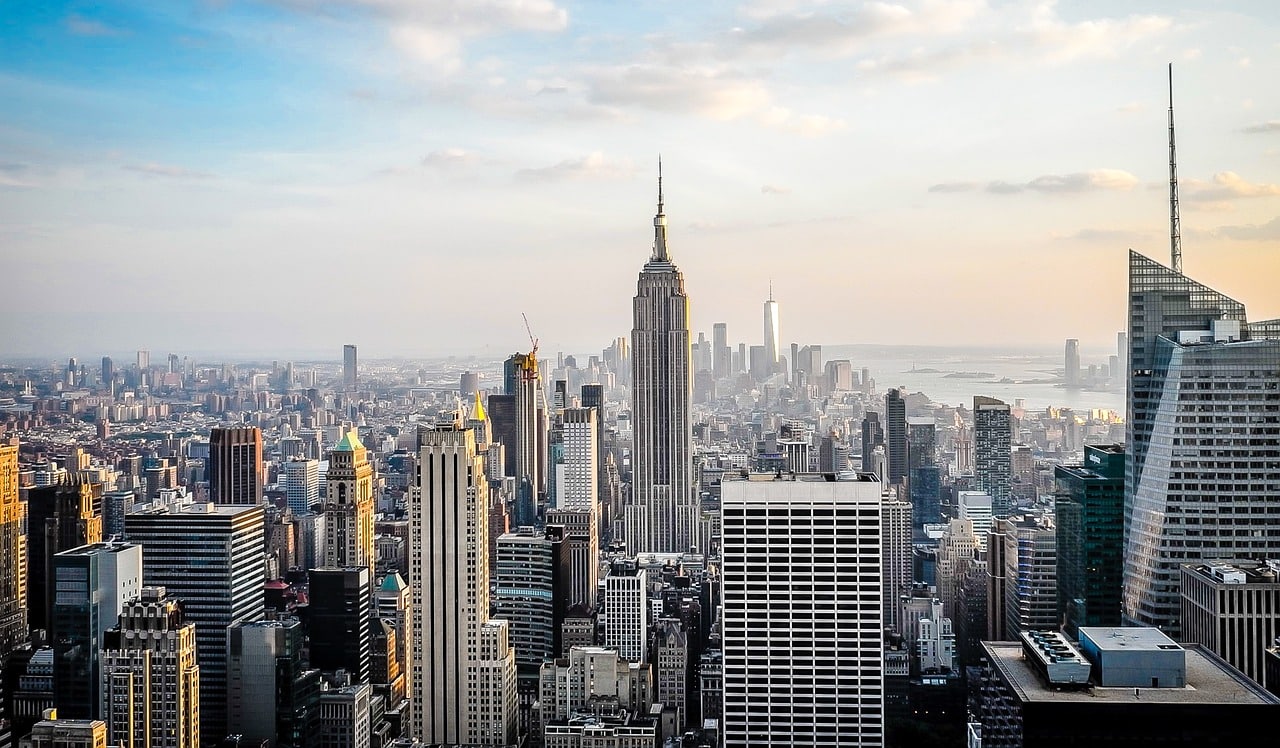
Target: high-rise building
x,y
523,456
54,732
924,478
344,717
302,485
392,603
211,558
1030,572
108,373
350,377
626,610
895,558
872,437
92,585
339,620
721,354
143,361
770,331
802,604
895,436
150,677
530,592
580,530
1200,432
671,667
1230,607
1071,370
1089,515
464,670
273,696
664,509
588,674
993,450
235,465
59,517
348,505
13,553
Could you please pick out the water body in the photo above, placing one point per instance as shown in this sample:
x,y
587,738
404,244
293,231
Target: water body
x,y
954,375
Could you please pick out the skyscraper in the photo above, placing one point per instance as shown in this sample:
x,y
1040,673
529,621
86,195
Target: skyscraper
x,y
626,611
721,354
302,484
348,505
59,518
872,437
150,678
235,465
1089,514
349,373
770,332
895,435
13,554
211,557
801,622
273,698
663,512
993,451
464,670
1200,432
524,454
924,479
1071,369
340,616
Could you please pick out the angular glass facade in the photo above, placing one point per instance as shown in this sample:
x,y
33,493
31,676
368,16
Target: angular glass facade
x,y
1089,514
1203,432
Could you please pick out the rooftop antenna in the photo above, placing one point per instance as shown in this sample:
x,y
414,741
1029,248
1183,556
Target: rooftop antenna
x,y
1175,230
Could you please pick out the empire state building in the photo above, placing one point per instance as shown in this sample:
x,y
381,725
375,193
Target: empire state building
x,y
663,509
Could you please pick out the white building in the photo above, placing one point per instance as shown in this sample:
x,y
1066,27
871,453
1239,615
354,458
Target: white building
x,y
801,619
896,558
626,611
302,485
975,506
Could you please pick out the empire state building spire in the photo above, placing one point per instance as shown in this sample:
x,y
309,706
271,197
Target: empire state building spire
x,y
660,226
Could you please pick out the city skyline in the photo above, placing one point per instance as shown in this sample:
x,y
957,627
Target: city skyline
x,y
287,139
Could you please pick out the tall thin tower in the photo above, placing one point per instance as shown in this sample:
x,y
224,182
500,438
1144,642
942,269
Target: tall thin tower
x,y
663,511
1175,227
771,330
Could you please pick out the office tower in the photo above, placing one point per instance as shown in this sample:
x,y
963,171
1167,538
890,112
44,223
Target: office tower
x,y
57,732
740,359
592,675
144,361
211,558
580,530
958,544
273,696
13,554
341,606
350,377
150,678
530,592
1089,514
759,363
664,503
578,487
460,657
770,331
1232,607
626,611
924,478
1071,371
1122,355
1200,430
895,436
108,371
392,604
671,668
468,383
1119,686
302,484
348,505
721,355
895,558
802,598
344,717
523,458
872,437
992,447
501,410
1030,572
838,376
59,517
93,584
235,465
593,397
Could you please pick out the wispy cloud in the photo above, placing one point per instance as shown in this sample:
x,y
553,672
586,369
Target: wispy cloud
x,y
1269,231
1226,185
954,187
1272,125
1096,180
168,171
590,167
775,189
449,158
80,26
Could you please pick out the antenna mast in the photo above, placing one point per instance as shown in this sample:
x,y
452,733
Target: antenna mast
x,y
1175,229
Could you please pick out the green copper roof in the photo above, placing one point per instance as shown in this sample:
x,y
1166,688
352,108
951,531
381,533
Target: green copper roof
x,y
350,442
393,582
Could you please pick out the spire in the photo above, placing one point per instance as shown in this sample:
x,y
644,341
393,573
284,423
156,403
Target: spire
x,y
771,289
477,413
660,226
1175,229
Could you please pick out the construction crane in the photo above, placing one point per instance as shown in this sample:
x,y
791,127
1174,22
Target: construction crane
x,y
531,361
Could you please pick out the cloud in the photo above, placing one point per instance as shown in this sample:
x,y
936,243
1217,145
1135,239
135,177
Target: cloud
x,y
167,170
954,187
1133,107
774,189
1112,236
1269,231
1272,125
593,166
715,94
807,125
449,158
1084,181
80,26
1227,185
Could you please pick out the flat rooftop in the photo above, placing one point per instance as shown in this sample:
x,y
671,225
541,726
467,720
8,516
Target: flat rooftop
x,y
1209,681
1129,638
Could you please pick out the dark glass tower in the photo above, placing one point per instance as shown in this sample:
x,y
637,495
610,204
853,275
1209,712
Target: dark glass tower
x,y
992,451
340,622
1089,513
895,423
235,465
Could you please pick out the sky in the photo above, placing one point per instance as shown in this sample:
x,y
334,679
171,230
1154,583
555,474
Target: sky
x,y
285,177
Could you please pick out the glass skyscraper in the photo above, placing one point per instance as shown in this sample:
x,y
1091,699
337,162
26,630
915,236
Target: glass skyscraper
x,y
1203,433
